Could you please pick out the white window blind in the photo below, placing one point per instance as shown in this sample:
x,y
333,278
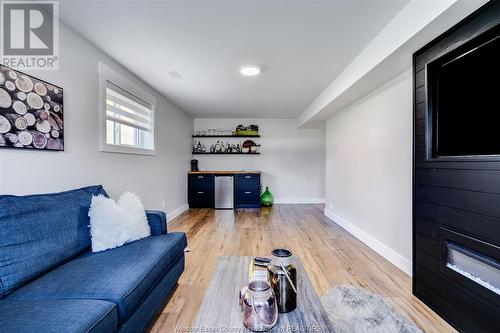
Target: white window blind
x,y
129,119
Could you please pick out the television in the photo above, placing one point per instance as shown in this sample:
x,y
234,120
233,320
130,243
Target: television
x,y
464,97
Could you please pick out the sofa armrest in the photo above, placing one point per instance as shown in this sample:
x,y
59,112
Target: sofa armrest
x,y
157,222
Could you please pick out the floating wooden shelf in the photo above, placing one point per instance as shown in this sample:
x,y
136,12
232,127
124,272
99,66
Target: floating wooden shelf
x,y
195,153
226,136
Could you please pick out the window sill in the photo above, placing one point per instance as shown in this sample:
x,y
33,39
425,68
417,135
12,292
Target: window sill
x,y
127,150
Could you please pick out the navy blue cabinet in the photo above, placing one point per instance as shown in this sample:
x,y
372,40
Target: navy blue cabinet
x,y
201,188
247,190
201,191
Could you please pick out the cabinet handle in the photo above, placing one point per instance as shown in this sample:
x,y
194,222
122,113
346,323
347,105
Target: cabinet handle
x,y
248,192
201,177
248,177
200,192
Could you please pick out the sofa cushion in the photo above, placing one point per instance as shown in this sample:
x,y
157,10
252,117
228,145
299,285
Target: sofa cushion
x,y
39,232
124,275
149,309
55,316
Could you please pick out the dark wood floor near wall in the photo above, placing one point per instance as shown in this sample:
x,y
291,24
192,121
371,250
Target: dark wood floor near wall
x,y
330,255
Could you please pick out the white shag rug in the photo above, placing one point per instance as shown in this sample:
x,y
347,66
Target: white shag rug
x,y
354,310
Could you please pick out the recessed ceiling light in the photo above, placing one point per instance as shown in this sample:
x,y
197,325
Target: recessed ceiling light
x,y
250,70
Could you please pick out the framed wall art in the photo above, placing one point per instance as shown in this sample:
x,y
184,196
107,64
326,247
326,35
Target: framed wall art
x,y
31,112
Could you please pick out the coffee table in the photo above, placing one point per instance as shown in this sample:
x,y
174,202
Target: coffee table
x,y
220,310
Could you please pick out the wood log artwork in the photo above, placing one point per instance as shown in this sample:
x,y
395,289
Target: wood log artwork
x,y
19,107
54,144
5,99
21,96
5,125
18,121
24,84
12,74
31,112
34,101
39,140
54,133
41,115
11,137
30,118
25,138
43,126
10,85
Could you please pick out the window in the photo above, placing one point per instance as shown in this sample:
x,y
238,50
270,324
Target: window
x,y
127,116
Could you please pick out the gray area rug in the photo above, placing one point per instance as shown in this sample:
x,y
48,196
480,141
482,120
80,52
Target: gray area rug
x,y
354,310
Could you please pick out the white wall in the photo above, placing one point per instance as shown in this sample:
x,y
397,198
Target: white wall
x,y
368,170
156,179
292,160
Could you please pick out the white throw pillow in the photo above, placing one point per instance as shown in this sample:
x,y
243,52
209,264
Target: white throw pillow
x,y
113,224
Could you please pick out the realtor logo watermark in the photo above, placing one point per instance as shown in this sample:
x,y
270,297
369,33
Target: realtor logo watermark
x,y
30,35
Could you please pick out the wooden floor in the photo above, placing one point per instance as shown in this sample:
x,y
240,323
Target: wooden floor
x,y
330,255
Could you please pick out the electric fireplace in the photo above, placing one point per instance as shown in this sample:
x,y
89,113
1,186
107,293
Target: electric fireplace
x,y
456,198
471,262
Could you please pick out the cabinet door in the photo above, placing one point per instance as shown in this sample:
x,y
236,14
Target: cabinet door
x,y
201,191
249,182
247,199
247,191
204,181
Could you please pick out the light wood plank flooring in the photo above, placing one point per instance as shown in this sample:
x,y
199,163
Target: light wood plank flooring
x,y
330,255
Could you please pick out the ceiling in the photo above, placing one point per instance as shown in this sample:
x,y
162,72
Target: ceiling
x,y
301,46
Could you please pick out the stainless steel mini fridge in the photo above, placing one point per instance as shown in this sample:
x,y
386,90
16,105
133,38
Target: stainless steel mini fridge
x,y
224,195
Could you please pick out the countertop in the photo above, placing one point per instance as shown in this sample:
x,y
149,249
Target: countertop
x,y
220,172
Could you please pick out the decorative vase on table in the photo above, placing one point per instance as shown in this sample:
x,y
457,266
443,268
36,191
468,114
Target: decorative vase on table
x,y
258,303
282,276
266,198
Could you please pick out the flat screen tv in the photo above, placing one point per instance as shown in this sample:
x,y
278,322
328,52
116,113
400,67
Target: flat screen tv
x,y
464,96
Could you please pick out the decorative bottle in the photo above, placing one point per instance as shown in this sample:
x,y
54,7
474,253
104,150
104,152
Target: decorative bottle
x,y
266,198
282,276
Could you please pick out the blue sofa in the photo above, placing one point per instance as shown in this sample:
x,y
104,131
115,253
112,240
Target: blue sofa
x,y
51,282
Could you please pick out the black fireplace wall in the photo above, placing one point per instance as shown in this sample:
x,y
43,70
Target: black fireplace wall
x,y
461,195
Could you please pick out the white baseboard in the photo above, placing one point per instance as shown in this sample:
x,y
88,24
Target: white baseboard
x,y
299,201
389,254
172,215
